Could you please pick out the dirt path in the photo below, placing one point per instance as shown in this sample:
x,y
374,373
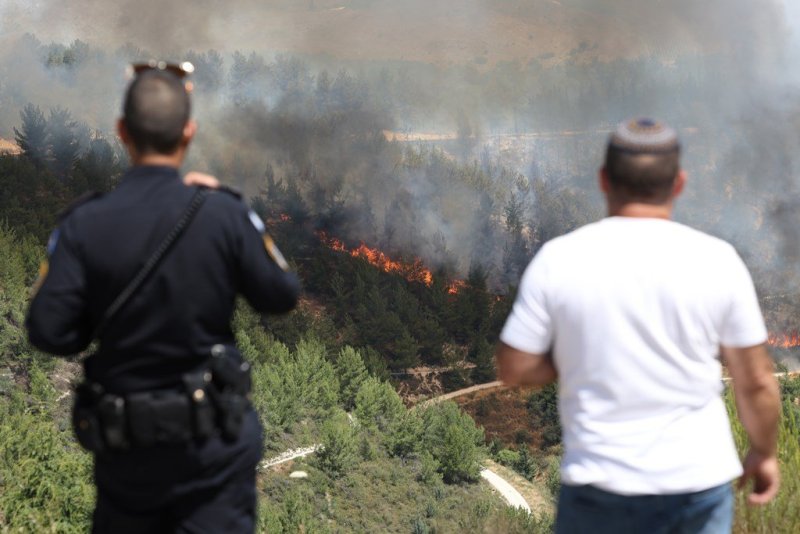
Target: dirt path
x,y
465,391
537,499
518,493
507,491
289,455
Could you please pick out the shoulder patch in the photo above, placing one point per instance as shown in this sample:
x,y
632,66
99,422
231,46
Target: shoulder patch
x,y
257,222
78,202
53,241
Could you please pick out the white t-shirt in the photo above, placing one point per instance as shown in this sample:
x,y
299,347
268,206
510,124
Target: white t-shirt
x,y
635,310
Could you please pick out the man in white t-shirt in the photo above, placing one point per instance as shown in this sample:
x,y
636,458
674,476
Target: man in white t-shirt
x,y
630,315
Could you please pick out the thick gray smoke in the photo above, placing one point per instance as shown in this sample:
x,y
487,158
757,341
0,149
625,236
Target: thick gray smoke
x,y
526,89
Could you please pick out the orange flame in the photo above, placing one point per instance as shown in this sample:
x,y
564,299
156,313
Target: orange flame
x,y
456,286
784,340
413,272
282,217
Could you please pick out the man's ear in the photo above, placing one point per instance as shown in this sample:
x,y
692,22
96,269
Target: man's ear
x,y
122,131
188,132
125,137
605,185
680,182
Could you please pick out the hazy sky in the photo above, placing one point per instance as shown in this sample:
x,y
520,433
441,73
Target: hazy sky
x,y
207,23
793,17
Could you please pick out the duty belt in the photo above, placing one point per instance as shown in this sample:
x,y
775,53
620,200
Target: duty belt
x,y
209,402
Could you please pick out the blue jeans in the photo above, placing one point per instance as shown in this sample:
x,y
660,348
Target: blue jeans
x,y
586,509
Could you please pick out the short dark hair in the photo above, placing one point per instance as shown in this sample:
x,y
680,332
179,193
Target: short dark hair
x,y
641,176
155,112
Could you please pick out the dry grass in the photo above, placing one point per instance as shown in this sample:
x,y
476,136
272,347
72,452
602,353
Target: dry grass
x,y
503,414
783,514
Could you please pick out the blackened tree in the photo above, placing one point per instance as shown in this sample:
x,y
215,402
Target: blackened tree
x,y
98,169
208,70
482,354
517,251
63,143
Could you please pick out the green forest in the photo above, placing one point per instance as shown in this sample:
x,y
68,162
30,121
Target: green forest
x,y
409,254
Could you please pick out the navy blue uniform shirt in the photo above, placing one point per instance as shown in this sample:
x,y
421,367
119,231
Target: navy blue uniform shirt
x,y
167,328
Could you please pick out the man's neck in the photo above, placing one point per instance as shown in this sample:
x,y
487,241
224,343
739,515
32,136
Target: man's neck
x,y
159,160
641,210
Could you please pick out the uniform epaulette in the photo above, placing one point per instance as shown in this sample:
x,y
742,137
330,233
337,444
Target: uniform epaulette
x,y
78,202
230,190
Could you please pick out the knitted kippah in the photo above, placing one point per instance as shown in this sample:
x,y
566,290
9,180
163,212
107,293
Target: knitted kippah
x,y
644,136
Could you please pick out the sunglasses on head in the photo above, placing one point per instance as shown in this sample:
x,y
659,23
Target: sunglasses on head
x,y
181,70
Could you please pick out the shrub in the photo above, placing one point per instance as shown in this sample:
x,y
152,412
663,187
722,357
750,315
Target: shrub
x,y
418,526
428,470
13,297
553,476
543,408
527,464
510,520
366,448
46,479
339,450
508,457
522,437
297,514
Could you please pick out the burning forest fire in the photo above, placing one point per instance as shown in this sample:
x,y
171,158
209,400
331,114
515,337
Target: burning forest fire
x,y
784,340
413,272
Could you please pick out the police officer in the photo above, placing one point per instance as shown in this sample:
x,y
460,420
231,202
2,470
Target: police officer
x,y
164,403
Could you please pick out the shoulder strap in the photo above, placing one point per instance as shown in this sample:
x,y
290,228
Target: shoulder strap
x,y
153,261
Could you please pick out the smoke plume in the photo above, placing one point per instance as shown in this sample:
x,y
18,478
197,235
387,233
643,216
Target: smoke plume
x,y
513,100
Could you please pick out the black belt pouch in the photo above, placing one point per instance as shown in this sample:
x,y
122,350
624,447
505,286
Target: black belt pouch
x,y
85,420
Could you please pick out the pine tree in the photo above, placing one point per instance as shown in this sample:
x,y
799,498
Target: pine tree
x,y
482,354
459,456
352,373
98,169
405,435
245,74
404,350
470,310
294,385
453,439
516,254
339,450
32,138
378,404
375,363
